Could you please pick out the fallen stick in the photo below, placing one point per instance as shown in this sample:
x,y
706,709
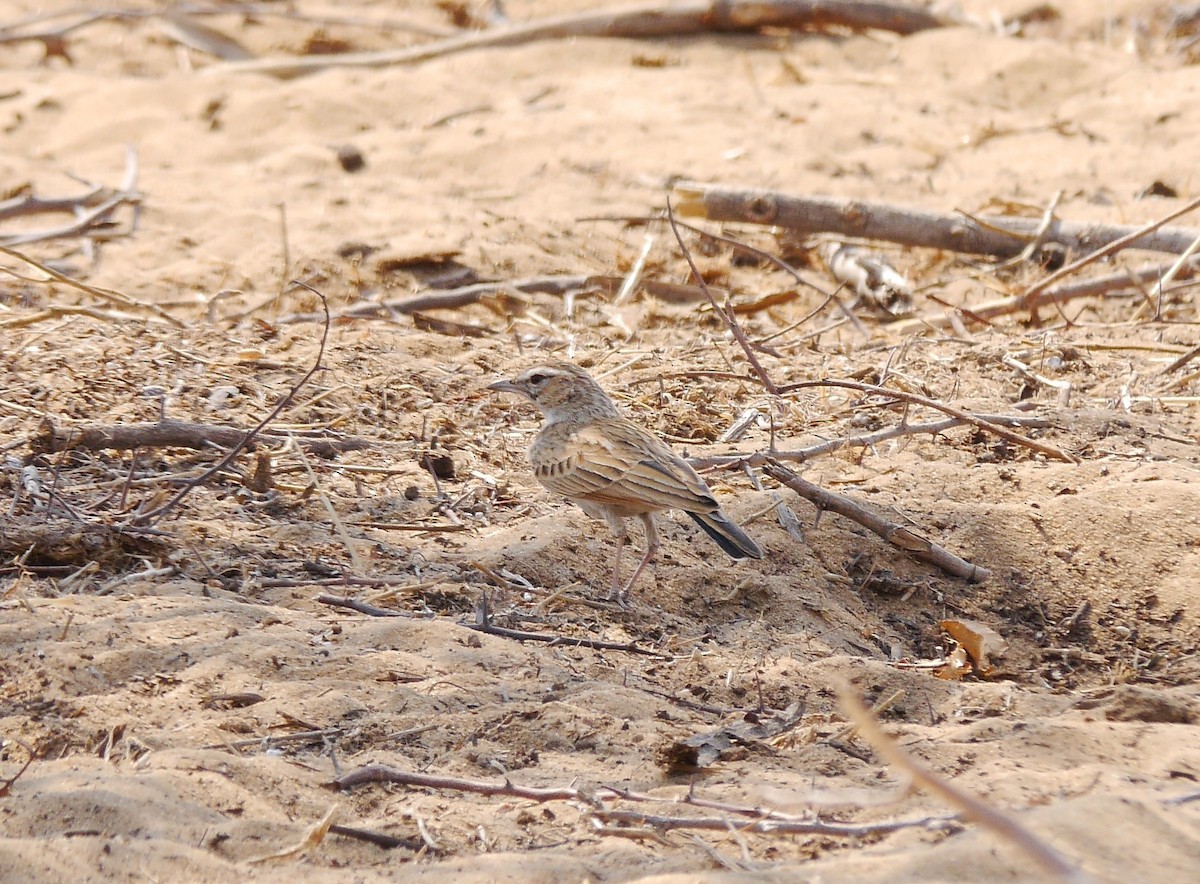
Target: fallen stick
x,y
999,236
170,434
691,17
919,547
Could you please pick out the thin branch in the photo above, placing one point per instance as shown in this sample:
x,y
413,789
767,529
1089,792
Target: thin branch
x,y
763,822
766,826
866,440
7,785
966,417
919,547
727,316
379,839
483,623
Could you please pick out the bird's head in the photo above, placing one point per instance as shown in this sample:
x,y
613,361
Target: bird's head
x,y
561,390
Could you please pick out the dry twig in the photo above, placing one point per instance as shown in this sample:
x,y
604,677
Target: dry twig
x,y
109,296
763,822
866,440
727,315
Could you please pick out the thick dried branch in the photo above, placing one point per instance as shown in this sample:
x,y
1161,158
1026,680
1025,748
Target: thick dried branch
x,y
692,17
999,236
919,547
170,434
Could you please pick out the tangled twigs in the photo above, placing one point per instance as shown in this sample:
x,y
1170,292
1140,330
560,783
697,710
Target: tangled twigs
x,y
76,542
965,416
1055,295
1136,238
92,210
919,547
762,822
171,434
151,518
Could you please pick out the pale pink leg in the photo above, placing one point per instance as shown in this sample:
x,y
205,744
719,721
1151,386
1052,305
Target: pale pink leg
x,y
651,551
614,592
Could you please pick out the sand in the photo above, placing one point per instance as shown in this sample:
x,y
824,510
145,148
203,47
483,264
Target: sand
x,y
154,704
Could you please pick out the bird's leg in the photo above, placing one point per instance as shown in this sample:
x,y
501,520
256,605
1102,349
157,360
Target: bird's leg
x,y
618,527
651,552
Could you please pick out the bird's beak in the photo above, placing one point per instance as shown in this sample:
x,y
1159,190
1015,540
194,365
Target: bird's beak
x,y
504,387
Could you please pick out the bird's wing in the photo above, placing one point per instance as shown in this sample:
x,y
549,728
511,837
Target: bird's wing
x,y
617,463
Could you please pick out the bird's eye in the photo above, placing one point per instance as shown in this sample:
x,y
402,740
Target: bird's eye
x,y
538,379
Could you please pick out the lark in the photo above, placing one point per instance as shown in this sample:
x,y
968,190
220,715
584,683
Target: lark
x,y
593,455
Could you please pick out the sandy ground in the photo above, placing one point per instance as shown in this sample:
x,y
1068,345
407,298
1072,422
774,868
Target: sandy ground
x,y
155,705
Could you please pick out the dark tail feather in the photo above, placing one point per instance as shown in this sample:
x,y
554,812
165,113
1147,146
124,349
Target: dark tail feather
x,y
728,536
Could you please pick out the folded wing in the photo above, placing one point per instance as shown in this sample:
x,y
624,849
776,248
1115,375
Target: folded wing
x,y
620,464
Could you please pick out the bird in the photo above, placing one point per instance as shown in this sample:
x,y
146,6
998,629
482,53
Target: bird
x,y
613,469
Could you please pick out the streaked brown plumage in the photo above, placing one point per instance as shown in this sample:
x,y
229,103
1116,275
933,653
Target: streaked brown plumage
x,y
613,469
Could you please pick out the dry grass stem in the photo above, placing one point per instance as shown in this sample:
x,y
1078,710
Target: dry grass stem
x,y
971,807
